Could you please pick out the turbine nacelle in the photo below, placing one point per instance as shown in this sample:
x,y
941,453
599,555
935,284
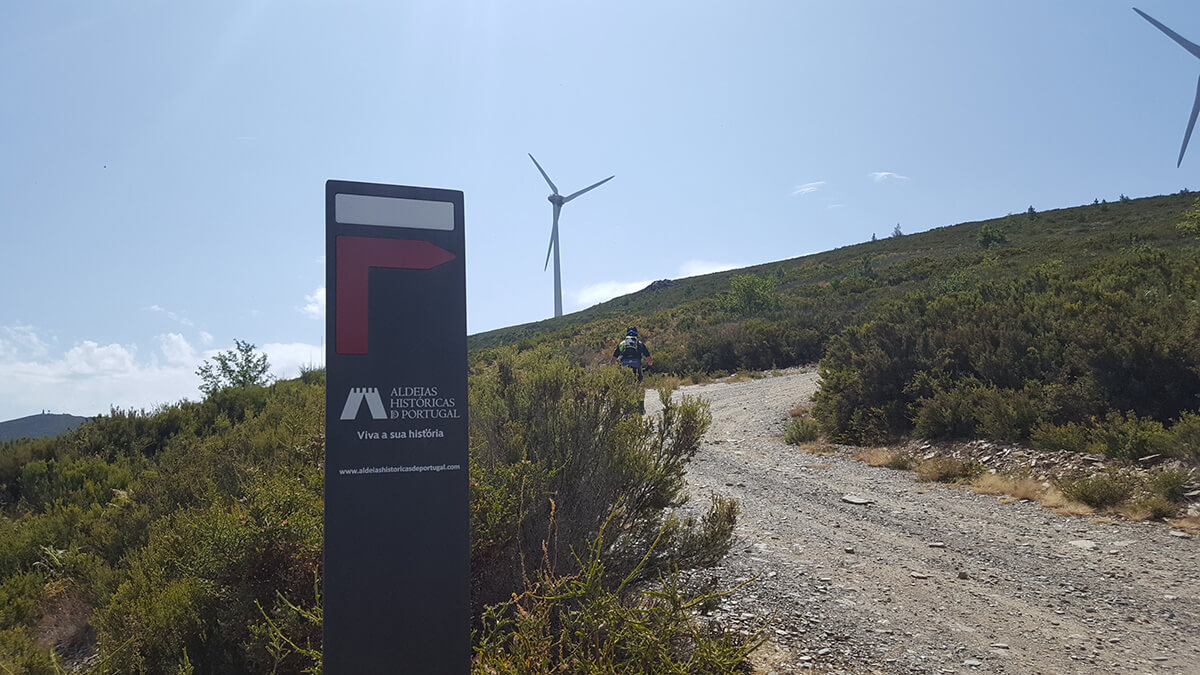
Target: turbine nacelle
x,y
556,199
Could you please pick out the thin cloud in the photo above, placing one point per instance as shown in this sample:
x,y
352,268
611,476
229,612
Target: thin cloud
x,y
314,304
21,342
174,316
807,188
880,176
594,294
836,206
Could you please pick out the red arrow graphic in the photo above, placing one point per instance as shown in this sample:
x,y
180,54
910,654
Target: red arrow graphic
x,y
355,256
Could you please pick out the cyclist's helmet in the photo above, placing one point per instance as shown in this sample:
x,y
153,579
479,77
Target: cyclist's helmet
x,y
632,331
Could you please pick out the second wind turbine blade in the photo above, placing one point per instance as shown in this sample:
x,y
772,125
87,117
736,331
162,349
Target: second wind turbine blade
x,y
1183,42
590,187
1191,125
543,172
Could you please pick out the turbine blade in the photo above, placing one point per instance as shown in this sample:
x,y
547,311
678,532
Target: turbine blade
x,y
590,187
553,238
543,172
1183,42
1191,124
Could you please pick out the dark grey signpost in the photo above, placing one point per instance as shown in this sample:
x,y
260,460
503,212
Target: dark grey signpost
x,y
397,557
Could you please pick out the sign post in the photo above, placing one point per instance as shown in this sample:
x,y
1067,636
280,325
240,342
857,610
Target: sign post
x,y
397,552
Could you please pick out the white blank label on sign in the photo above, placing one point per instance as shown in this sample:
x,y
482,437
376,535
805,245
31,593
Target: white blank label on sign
x,y
393,212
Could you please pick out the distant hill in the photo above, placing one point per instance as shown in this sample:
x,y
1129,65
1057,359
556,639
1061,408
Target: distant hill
x,y
37,426
693,326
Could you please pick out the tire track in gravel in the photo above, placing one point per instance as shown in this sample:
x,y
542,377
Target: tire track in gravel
x,y
1012,588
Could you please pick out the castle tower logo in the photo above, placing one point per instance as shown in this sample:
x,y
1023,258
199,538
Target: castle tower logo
x,y
355,399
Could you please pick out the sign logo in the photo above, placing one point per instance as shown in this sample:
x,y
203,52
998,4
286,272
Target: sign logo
x,y
355,399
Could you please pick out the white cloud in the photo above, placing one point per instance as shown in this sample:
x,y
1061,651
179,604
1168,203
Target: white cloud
x,y
807,188
206,339
176,350
836,206
880,176
90,378
174,316
91,358
314,307
287,358
606,290
695,268
21,342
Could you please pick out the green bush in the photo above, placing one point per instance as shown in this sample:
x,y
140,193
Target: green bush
x,y
749,295
801,430
1099,490
989,236
1127,436
1070,436
1170,484
580,623
1185,436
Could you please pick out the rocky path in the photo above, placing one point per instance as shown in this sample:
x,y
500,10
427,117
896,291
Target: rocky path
x,y
927,578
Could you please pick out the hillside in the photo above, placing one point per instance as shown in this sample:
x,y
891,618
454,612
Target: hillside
x,y
854,278
38,426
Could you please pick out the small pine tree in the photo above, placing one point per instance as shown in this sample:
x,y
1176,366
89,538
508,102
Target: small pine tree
x,y
896,231
1031,212
873,237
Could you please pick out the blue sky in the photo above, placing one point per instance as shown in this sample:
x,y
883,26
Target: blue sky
x,y
162,172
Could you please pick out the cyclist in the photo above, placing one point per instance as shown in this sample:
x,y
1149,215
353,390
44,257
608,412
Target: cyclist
x,y
630,351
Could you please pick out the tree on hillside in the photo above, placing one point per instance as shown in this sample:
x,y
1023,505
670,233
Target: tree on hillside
x,y
896,231
241,366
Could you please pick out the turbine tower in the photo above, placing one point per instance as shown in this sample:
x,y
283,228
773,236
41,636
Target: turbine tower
x,y
558,200
1195,50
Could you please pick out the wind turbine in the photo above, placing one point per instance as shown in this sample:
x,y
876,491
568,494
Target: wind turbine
x,y
1195,50
558,200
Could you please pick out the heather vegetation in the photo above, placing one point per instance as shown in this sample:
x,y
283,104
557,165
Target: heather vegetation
x,y
1073,329
189,538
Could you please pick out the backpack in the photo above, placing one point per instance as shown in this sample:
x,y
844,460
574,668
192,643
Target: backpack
x,y
630,353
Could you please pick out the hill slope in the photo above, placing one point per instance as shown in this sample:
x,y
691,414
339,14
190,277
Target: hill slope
x,y
855,276
37,426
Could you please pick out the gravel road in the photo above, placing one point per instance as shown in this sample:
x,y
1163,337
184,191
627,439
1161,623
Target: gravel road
x,y
926,578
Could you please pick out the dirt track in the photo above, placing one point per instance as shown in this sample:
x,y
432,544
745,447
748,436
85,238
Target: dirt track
x,y
1012,588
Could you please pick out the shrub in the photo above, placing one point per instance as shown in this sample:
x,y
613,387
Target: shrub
x,y
1070,436
1156,506
946,469
1099,490
579,624
558,444
1185,436
1127,436
749,294
801,430
989,236
1170,484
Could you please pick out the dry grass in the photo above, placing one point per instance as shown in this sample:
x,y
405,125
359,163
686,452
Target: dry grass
x,y
944,470
1022,487
1017,488
801,410
892,459
820,449
1185,523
